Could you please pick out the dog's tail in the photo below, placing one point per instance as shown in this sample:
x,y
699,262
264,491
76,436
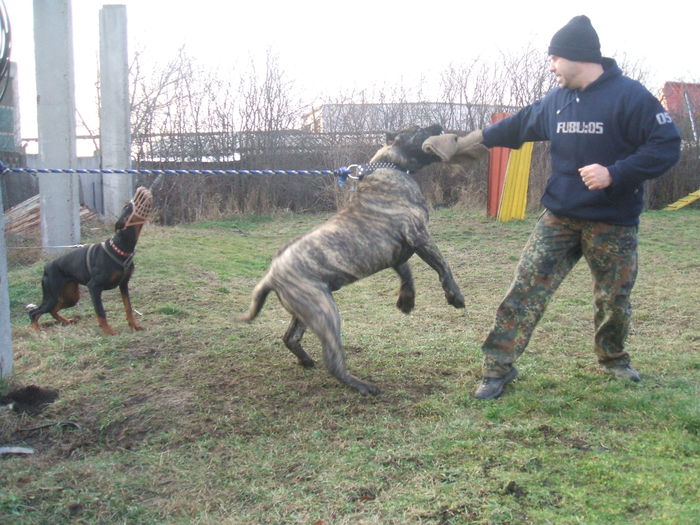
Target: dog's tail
x,y
259,295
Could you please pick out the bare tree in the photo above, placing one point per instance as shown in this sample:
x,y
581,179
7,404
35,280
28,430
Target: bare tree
x,y
150,98
527,76
633,68
189,116
265,99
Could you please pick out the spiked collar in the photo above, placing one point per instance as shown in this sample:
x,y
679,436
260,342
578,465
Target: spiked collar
x,y
118,250
359,171
114,252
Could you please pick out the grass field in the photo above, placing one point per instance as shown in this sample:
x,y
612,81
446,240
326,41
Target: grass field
x,y
197,420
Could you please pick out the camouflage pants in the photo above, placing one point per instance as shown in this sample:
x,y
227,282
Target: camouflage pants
x,y
555,246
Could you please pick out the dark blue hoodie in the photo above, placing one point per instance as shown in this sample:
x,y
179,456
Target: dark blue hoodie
x,y
615,122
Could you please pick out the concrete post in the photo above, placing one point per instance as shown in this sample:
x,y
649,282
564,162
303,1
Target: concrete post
x,y
55,86
9,141
115,134
5,328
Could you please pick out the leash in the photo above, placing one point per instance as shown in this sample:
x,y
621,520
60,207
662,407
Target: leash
x,y
341,173
38,247
353,171
337,172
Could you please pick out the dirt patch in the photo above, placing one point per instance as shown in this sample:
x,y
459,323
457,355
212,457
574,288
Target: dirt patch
x,y
513,489
30,399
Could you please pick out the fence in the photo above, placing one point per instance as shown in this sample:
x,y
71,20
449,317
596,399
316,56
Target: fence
x,y
186,198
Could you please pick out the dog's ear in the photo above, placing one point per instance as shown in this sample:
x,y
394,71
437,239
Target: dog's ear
x,y
121,221
390,137
435,129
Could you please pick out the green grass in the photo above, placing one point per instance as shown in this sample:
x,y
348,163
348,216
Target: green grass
x,y
197,420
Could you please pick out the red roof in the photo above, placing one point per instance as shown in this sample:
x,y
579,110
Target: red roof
x,y
678,95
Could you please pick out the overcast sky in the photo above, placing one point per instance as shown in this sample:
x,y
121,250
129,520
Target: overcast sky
x,y
327,47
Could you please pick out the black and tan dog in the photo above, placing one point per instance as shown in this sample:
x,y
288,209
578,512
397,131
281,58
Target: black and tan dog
x,y
384,224
100,266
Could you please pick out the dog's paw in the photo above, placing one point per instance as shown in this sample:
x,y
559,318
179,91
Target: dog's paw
x,y
307,363
406,302
455,299
363,387
368,388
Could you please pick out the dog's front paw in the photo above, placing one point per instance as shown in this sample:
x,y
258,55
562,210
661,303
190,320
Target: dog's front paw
x,y
363,387
456,299
406,302
307,362
368,388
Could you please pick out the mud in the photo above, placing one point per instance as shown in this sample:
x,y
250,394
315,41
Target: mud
x,y
29,399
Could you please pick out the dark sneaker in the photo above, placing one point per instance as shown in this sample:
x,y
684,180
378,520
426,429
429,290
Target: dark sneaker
x,y
623,372
492,387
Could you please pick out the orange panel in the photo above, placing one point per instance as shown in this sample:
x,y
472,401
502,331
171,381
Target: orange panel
x,y
498,163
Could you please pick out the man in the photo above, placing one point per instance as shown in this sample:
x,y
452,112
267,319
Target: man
x,y
608,135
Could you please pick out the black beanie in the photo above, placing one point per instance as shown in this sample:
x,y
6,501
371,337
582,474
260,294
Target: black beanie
x,y
577,41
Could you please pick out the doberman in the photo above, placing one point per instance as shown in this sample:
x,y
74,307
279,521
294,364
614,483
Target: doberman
x,y
100,266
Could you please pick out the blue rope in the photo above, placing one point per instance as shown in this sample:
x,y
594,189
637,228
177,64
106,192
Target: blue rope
x,y
341,173
338,172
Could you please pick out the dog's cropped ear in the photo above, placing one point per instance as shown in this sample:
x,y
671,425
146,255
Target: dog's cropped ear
x,y
121,221
434,129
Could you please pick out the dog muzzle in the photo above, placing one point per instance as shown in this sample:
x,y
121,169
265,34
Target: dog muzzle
x,y
142,207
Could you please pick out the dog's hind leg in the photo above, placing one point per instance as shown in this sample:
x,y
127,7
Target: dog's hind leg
x,y
430,253
47,304
51,285
315,308
37,312
69,296
292,340
407,293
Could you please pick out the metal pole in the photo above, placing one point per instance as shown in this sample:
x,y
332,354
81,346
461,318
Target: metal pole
x,y
5,329
691,116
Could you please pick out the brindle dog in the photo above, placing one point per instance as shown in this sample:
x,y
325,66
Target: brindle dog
x,y
100,266
383,225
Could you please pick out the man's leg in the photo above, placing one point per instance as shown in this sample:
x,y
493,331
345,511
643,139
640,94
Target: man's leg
x,y
551,252
611,253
